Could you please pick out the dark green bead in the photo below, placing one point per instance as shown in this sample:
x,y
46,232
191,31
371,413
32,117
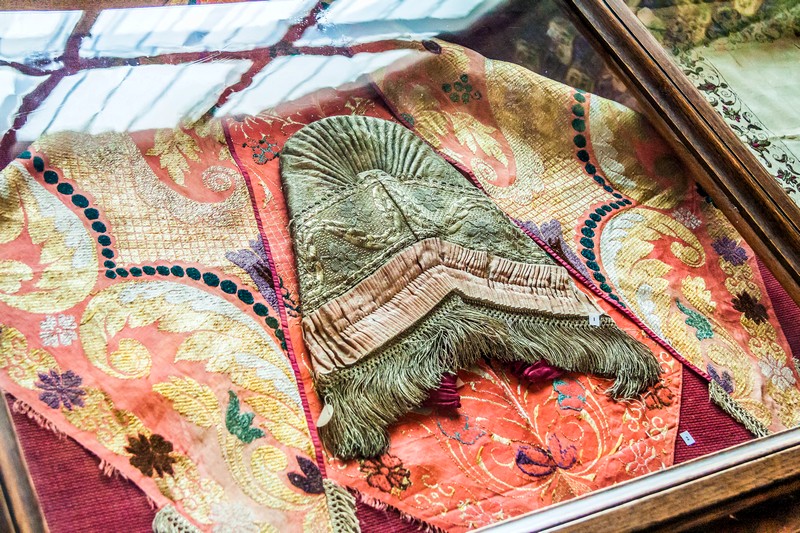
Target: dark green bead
x,y
193,273
588,254
109,264
579,97
583,155
210,279
80,200
38,163
599,277
99,227
177,271
245,296
590,168
579,125
110,274
260,309
577,109
107,252
64,188
580,141
228,286
588,243
91,213
587,232
150,271
136,271
161,269
122,272
271,322
24,155
50,177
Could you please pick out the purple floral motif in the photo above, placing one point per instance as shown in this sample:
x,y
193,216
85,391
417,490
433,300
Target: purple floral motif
x,y
538,461
256,264
61,389
553,235
724,379
730,251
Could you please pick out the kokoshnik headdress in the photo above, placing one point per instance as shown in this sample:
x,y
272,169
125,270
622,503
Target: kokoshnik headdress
x,y
409,272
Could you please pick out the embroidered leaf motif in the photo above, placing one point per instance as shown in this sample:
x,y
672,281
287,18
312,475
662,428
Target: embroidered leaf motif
x,y
697,321
471,133
311,482
193,401
694,289
173,147
240,424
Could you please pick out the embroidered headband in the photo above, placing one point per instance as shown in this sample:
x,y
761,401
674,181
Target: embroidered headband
x,y
409,272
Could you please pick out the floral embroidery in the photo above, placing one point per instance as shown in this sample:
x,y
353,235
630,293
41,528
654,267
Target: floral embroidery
x,y
151,454
256,264
476,516
311,479
264,151
466,435
387,474
240,424
571,394
725,380
694,319
730,251
61,389
686,217
537,461
779,374
58,330
461,91
658,396
749,305
173,148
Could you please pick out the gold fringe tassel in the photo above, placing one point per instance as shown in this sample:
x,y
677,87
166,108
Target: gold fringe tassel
x,y
169,520
730,406
369,396
341,508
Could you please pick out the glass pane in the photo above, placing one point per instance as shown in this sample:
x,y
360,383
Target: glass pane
x,y
520,246
744,57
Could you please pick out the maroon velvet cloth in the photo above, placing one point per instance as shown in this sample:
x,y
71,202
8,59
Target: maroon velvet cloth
x,y
785,309
383,520
539,371
74,493
712,429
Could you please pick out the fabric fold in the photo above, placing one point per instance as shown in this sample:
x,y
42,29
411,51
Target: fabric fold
x,y
409,273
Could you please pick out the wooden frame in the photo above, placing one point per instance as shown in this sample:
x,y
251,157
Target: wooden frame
x,y
685,495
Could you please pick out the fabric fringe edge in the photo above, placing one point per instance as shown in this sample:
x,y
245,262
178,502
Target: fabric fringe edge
x,y
341,508
169,520
405,517
27,409
730,406
375,392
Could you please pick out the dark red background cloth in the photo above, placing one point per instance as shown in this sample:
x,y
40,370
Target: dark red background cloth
x,y
711,427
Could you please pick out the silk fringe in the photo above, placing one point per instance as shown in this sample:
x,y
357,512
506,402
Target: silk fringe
x,y
371,395
341,508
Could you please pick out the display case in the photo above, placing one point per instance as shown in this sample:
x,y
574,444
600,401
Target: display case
x,y
380,266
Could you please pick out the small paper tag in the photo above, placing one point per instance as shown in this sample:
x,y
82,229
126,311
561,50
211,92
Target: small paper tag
x,y
594,320
687,438
325,416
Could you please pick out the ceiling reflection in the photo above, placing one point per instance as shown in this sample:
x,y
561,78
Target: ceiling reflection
x,y
154,67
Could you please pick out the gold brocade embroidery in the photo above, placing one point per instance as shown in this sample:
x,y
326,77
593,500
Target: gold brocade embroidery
x,y
22,364
173,148
170,226
66,269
